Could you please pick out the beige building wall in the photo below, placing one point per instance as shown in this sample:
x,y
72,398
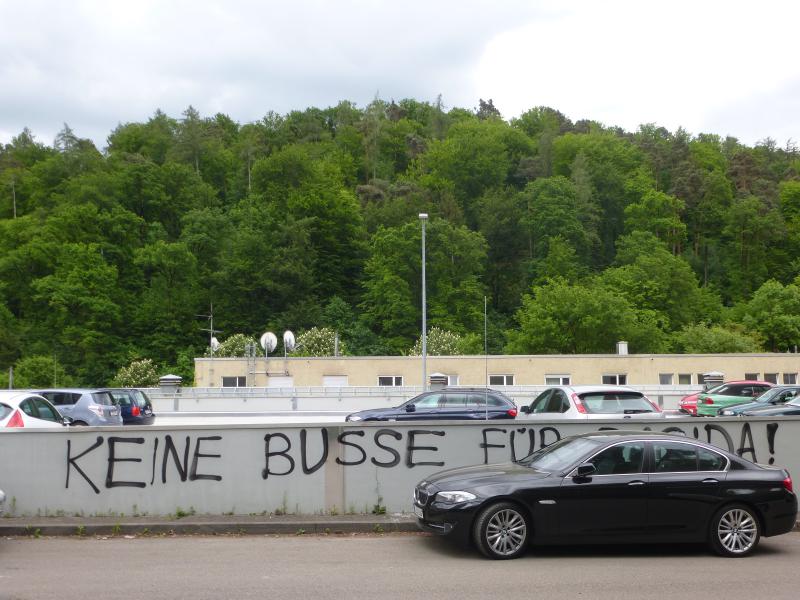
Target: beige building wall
x,y
650,369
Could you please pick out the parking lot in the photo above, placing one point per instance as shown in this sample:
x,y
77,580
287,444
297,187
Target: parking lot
x,y
380,566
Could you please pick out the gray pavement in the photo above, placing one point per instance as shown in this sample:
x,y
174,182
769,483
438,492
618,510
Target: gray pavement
x,y
381,567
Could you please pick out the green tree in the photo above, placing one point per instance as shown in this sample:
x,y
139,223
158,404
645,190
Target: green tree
x,y
319,341
714,339
40,371
439,342
455,259
141,373
774,313
562,318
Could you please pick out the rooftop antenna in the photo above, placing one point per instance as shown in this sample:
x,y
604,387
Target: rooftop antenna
x,y
268,343
213,343
288,342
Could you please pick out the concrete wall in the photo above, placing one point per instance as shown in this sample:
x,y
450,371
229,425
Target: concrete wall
x,y
298,468
471,370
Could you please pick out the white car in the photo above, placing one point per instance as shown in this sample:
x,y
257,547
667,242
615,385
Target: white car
x,y
2,500
591,402
26,409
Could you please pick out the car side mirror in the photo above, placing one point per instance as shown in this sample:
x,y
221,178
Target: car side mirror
x,y
411,408
585,470
67,421
525,409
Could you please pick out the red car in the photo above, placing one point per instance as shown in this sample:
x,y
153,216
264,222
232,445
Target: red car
x,y
688,404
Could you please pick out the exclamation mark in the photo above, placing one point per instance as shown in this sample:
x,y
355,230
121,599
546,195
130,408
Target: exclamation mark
x,y
771,429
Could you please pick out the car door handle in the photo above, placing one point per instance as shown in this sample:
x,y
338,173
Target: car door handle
x,y
710,480
637,482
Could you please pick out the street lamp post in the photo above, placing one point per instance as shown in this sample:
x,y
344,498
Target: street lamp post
x,y
423,217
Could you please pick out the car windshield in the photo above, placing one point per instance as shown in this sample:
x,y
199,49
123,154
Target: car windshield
x,y
560,455
616,403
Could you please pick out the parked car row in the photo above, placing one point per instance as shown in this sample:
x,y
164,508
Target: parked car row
x,y
610,487
744,398
76,407
563,401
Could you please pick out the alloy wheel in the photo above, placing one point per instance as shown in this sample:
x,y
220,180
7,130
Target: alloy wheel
x,y
737,531
506,532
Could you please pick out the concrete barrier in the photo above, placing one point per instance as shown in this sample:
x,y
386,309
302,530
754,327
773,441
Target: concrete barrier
x,y
348,399
300,468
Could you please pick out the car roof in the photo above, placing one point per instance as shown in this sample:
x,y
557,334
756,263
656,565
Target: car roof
x,y
746,382
600,387
639,435
16,395
76,390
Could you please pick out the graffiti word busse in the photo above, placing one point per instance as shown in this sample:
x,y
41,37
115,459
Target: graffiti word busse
x,y
198,458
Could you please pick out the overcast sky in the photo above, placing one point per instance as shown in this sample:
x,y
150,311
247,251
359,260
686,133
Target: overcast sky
x,y
724,67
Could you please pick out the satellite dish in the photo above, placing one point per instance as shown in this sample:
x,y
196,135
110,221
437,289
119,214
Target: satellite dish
x,y
288,340
269,342
214,344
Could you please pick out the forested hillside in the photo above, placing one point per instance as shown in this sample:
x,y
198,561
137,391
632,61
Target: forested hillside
x,y
579,235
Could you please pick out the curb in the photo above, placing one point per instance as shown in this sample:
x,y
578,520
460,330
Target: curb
x,y
99,526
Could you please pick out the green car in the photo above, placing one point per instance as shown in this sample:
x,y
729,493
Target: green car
x,y
728,394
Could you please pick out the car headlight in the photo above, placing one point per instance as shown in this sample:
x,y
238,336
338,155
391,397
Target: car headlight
x,y
353,418
454,497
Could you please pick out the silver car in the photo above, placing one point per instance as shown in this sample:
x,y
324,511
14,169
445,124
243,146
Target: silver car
x,y
591,402
85,406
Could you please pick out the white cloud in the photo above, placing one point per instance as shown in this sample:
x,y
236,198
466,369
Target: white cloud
x,y
626,63
96,63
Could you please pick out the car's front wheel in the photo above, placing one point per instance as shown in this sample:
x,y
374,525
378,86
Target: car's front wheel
x,y
502,531
735,531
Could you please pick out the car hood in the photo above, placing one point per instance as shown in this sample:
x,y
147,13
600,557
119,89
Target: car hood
x,y
374,412
483,475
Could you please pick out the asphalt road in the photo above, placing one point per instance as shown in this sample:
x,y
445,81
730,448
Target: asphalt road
x,y
381,567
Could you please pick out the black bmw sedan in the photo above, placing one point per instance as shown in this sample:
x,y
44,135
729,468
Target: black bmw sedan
x,y
446,403
610,487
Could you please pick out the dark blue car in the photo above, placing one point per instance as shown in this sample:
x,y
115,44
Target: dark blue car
x,y
134,405
447,403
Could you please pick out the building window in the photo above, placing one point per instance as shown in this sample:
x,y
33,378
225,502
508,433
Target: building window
x,y
234,382
501,380
665,379
701,379
684,379
771,377
556,379
390,380
452,380
615,379
751,377
790,378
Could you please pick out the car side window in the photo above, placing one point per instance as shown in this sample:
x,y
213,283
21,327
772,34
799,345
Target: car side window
x,y
710,461
540,404
619,459
46,412
452,400
671,457
429,401
28,408
558,402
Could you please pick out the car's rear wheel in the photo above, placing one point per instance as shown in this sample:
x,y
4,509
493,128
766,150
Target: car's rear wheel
x,y
502,531
735,530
